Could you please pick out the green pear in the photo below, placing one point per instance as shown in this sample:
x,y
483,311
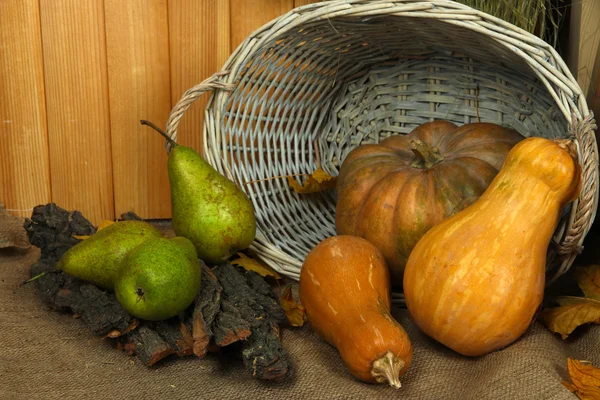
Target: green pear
x,y
187,246
98,258
159,279
207,208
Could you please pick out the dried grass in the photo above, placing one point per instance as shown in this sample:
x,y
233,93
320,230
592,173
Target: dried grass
x,y
539,17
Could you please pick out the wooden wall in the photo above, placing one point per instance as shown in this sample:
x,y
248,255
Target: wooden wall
x,y
76,76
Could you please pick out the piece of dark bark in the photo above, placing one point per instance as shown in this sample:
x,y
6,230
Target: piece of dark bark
x,y
150,347
244,297
206,307
131,216
263,353
51,228
101,310
230,326
176,334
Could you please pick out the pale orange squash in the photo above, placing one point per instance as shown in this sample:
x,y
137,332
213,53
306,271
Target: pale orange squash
x,y
475,281
345,289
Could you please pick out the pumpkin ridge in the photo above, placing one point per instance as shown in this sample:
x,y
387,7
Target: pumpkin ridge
x,y
393,220
405,238
359,217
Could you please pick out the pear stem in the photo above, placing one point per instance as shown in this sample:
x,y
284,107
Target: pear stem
x,y
157,129
38,276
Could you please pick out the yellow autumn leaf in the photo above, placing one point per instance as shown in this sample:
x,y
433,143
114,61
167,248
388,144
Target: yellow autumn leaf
x,y
294,311
573,312
252,264
585,378
588,279
318,181
102,225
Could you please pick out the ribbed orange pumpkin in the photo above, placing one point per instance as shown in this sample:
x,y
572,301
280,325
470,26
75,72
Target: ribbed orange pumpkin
x,y
393,192
475,281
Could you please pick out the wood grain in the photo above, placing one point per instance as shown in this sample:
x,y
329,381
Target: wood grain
x,y
199,46
247,16
73,37
594,92
298,3
137,41
24,166
584,40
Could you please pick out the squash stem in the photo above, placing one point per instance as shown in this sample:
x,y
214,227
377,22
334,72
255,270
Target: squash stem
x,y
567,145
387,369
427,156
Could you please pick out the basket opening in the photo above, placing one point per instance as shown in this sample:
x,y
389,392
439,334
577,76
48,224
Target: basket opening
x,y
306,98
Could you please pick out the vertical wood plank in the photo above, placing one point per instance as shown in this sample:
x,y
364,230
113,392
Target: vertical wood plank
x,y
247,16
589,39
73,38
137,41
24,166
199,46
594,92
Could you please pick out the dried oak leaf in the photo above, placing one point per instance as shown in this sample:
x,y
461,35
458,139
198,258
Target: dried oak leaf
x,y
294,311
588,279
318,181
105,223
252,264
585,378
573,312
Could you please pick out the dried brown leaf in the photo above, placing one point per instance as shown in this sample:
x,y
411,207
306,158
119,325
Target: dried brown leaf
x,y
252,264
318,181
585,378
294,311
573,312
588,279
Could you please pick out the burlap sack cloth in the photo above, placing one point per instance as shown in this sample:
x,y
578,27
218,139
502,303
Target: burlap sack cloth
x,y
47,355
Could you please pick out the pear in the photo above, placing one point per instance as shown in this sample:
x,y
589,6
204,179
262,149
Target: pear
x,y
207,208
159,279
98,258
187,246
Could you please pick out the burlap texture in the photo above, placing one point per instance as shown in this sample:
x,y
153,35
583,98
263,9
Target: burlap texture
x,y
47,355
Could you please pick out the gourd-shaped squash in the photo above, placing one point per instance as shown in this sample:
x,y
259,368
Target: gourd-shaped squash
x,y
393,192
475,281
345,290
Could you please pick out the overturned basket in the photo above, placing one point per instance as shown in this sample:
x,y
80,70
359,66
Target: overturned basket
x,y
308,87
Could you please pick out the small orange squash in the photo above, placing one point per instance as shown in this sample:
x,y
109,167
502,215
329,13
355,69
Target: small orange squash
x,y
475,281
345,290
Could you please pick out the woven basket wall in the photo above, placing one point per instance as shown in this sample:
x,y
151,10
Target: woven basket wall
x,y
307,88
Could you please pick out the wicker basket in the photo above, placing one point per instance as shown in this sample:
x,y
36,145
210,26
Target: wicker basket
x,y
308,87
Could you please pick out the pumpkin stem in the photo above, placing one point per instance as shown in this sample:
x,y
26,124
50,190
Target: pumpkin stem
x,y
387,369
427,156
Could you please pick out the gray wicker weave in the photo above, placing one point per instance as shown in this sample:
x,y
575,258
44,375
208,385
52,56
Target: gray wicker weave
x,y
308,87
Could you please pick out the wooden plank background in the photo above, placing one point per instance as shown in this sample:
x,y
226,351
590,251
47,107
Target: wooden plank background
x,y
76,76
